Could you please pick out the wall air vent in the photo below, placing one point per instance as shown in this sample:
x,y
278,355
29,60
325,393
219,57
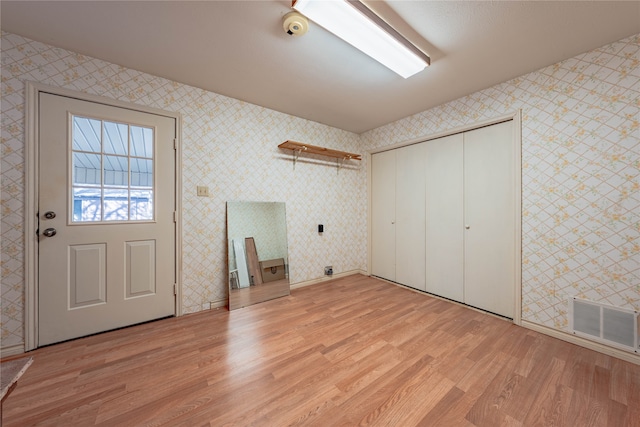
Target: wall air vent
x,y
609,325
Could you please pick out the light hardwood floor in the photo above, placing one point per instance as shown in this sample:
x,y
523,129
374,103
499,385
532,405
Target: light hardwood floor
x,y
353,351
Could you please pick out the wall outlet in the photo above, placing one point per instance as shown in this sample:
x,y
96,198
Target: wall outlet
x,y
328,271
203,191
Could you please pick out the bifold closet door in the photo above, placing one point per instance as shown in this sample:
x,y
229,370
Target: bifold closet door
x,y
410,216
444,215
489,219
383,208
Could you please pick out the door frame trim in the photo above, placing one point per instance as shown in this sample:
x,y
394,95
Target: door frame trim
x,y
516,116
32,143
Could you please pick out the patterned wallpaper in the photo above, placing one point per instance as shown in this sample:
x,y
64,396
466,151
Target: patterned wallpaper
x,y
580,175
581,179
228,145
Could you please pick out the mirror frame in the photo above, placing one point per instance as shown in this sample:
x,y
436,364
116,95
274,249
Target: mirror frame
x,y
257,231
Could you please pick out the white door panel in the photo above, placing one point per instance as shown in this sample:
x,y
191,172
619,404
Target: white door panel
x,y
87,275
489,216
444,212
105,267
140,268
383,193
410,216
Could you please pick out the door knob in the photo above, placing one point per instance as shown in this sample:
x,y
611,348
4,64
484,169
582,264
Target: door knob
x,y
467,226
49,215
49,232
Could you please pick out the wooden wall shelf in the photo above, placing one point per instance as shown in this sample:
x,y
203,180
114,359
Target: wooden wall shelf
x,y
298,147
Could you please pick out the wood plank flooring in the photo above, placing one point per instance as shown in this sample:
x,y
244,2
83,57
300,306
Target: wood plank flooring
x,y
353,351
244,297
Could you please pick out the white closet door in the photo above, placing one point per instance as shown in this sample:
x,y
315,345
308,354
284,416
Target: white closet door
x,y
445,219
410,216
383,196
489,218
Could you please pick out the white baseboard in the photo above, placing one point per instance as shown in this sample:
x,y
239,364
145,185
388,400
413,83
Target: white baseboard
x,y
219,303
326,278
210,305
582,342
14,350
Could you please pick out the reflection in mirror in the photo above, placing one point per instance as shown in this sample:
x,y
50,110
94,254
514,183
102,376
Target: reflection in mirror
x,y
257,248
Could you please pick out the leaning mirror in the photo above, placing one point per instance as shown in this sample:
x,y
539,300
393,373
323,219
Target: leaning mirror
x,y
257,251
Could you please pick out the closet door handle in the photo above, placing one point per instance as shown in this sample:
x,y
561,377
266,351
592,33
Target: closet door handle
x,y
467,226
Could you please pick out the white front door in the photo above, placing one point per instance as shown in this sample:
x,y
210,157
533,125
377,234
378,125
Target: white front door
x,y
106,217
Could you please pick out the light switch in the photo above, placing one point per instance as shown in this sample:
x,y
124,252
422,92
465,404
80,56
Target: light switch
x,y
203,191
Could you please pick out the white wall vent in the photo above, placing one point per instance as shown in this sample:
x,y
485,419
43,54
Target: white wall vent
x,y
609,325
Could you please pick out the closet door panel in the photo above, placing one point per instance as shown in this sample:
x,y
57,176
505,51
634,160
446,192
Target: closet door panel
x,y
383,196
444,217
410,216
489,216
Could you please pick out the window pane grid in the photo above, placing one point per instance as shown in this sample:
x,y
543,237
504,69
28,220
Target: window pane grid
x,y
113,171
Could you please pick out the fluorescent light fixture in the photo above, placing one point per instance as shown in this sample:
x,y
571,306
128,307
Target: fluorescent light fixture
x,y
359,26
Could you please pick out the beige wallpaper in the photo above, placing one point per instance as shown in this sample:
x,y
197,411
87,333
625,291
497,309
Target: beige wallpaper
x,y
580,175
228,145
581,179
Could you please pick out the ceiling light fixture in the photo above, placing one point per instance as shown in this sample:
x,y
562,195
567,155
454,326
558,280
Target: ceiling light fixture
x,y
359,26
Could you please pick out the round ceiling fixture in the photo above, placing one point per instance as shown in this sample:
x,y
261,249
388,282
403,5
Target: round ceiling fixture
x,y
295,24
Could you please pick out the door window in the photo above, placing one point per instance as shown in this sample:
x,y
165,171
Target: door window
x,y
112,171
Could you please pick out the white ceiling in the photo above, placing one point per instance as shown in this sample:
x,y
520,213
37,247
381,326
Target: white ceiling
x,y
239,49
